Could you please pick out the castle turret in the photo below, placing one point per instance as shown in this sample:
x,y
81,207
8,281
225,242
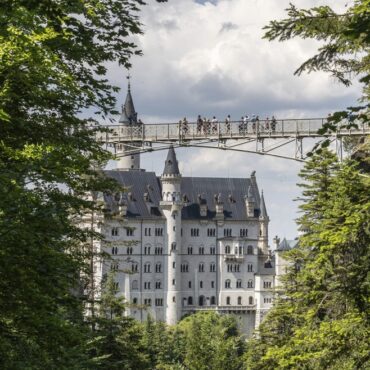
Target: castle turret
x,y
171,205
250,203
130,126
264,221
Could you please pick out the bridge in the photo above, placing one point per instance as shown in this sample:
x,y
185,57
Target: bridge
x,y
263,137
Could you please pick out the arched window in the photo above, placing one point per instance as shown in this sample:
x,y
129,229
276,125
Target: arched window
x,y
134,301
250,267
212,267
184,267
250,249
239,300
202,300
250,300
190,301
228,300
134,267
158,267
147,267
250,284
240,250
239,283
129,250
135,285
201,267
227,284
190,250
213,300
227,249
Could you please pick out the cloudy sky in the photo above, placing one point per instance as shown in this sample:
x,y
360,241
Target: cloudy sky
x,y
209,58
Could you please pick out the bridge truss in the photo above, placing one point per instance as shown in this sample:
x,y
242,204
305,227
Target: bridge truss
x,y
261,137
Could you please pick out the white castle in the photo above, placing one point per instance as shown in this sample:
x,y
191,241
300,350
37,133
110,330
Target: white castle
x,y
184,244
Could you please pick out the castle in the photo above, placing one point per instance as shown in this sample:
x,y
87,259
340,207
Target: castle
x,y
186,244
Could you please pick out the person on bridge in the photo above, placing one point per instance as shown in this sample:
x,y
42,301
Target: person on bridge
x,y
214,124
267,124
228,122
273,123
185,127
253,120
199,124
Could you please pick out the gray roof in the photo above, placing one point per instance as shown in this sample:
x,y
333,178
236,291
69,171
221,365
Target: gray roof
x,y
128,114
266,265
233,192
287,245
171,166
263,207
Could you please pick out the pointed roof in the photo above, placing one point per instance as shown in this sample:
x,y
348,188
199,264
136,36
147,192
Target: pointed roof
x,y
263,213
128,114
287,245
171,166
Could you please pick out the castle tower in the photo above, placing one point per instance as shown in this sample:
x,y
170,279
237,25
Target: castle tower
x,y
171,205
250,203
128,119
264,221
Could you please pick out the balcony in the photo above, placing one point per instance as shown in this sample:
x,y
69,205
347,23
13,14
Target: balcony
x,y
239,258
223,309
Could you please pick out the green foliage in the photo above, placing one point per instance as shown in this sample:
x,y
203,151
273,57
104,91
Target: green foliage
x,y
52,67
344,51
117,340
321,320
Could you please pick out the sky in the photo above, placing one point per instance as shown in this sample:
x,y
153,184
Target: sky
x,y
209,58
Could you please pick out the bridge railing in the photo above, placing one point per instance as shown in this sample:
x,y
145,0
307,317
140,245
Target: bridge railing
x,y
219,130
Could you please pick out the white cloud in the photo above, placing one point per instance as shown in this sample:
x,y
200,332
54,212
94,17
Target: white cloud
x,y
209,58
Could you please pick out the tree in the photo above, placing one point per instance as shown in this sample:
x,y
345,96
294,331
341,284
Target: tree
x,y
321,320
53,57
344,52
117,339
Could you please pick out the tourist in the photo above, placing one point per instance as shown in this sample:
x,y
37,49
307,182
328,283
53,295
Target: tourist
x,y
214,124
273,123
199,124
228,122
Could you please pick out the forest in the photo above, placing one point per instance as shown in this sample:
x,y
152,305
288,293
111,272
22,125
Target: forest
x,y
53,66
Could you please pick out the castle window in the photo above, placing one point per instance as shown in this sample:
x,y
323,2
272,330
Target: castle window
x,y
147,231
146,250
173,246
189,284
173,264
116,286
147,267
227,249
190,301
227,232
239,300
243,232
213,300
212,284
135,285
267,300
190,250
201,267
211,232
212,267
228,301
158,285
250,300
227,284
159,301
237,268
240,250
147,302
239,283
212,250
134,301
184,267
158,231
250,249
194,232
147,285
250,284
173,299
129,250
229,268
129,232
173,282
115,250
158,267
114,231
250,267
201,250
267,284
134,267
201,284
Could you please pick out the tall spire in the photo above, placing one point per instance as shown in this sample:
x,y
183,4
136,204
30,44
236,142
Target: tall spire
x,y
171,166
128,114
263,213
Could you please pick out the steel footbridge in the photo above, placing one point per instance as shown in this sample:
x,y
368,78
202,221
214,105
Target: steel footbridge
x,y
264,137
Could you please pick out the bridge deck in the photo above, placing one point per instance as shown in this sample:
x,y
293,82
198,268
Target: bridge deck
x,y
175,132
